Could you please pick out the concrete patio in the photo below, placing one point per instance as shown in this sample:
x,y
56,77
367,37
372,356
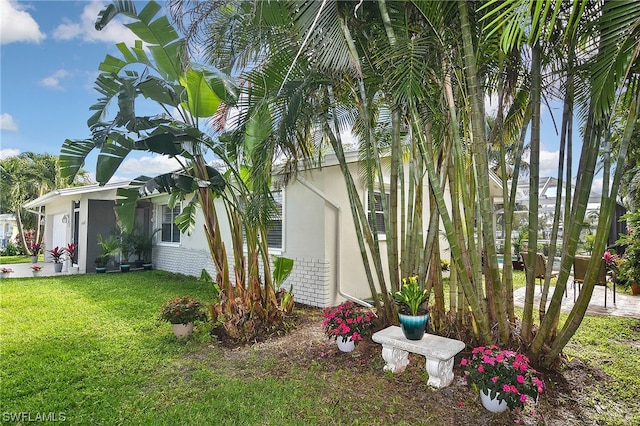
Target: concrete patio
x,y
23,270
626,305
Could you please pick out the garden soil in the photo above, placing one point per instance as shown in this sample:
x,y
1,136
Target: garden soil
x,y
570,396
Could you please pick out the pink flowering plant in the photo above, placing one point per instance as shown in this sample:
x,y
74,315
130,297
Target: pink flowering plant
x,y
502,373
347,320
183,310
36,268
611,261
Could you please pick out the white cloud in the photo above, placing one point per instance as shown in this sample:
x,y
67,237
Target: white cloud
x,y
17,25
491,105
6,153
53,81
596,186
85,29
149,166
549,162
8,123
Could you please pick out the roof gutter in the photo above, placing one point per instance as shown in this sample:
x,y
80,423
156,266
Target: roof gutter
x,y
338,210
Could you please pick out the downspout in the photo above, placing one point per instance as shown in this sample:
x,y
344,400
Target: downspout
x,y
338,210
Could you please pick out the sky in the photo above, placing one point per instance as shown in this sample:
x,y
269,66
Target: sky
x,y
49,58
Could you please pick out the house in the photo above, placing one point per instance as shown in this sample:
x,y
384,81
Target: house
x,y
77,215
8,229
548,190
315,229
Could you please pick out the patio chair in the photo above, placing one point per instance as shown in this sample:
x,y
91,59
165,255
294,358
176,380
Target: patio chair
x,y
540,268
580,265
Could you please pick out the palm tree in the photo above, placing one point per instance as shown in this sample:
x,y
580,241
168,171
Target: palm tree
x,y
371,58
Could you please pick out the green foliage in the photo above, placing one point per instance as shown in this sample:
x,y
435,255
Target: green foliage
x,y
108,247
518,243
11,249
411,295
629,266
282,268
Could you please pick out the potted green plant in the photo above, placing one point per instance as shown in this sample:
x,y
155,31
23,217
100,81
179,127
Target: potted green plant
x,y
108,248
347,324
56,255
126,247
504,378
413,318
142,247
181,312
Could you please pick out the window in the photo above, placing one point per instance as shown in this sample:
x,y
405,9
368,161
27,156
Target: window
x,y
274,227
170,232
376,216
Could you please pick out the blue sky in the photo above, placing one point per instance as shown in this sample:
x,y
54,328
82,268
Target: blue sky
x,y
49,59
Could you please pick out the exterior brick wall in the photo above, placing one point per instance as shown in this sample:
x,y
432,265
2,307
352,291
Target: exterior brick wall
x,y
181,260
311,278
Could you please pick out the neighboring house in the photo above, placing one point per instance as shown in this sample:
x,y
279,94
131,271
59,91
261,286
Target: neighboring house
x,y
548,190
8,229
315,229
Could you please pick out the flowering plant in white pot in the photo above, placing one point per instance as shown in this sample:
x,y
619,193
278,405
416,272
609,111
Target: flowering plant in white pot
x,y
502,374
347,321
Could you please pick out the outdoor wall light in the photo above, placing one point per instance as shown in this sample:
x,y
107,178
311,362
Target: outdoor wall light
x,y
65,219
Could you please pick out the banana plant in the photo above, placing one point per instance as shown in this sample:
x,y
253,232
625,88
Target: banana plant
x,y
152,71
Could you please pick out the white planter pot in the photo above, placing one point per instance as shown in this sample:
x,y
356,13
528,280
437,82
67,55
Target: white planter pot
x,y
492,404
182,330
73,270
36,273
345,344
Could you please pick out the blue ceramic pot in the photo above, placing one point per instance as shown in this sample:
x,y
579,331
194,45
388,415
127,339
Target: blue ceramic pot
x,y
412,326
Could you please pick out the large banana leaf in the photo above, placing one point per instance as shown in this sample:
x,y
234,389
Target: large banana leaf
x,y
178,184
202,101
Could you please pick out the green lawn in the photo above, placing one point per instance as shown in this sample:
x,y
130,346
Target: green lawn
x,y
11,260
89,346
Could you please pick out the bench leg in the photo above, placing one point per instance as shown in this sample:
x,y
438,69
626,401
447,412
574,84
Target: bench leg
x,y
440,372
397,359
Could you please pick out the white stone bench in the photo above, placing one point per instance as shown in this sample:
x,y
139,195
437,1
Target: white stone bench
x,y
439,352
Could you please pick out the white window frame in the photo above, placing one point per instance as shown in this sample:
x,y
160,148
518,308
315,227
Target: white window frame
x,y
160,215
381,233
279,250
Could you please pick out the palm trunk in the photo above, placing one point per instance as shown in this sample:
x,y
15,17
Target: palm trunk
x,y
482,170
534,188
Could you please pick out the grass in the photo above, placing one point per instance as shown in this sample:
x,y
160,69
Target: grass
x,y
90,347
12,260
